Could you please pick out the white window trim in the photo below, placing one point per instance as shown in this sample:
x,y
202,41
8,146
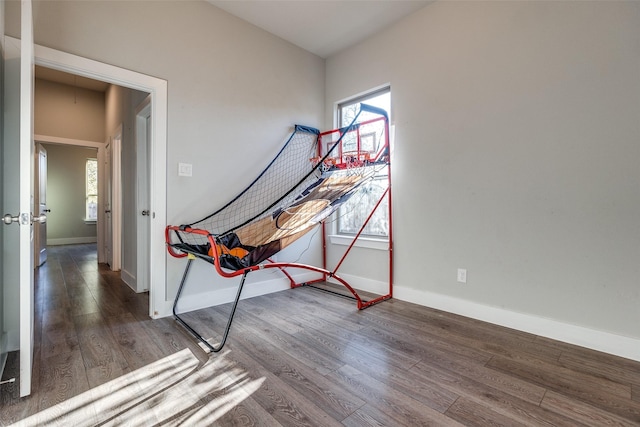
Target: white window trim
x,y
381,244
365,240
88,220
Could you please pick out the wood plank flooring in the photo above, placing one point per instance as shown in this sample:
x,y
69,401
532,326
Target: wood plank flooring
x,y
296,358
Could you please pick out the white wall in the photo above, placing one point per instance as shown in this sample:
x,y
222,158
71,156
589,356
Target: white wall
x,y
234,92
516,157
68,112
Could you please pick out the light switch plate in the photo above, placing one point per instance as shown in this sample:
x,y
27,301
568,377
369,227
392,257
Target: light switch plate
x,y
185,169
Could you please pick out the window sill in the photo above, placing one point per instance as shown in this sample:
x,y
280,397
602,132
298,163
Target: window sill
x,y
362,242
90,221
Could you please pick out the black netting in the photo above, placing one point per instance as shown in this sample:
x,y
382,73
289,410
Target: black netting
x,y
301,186
278,185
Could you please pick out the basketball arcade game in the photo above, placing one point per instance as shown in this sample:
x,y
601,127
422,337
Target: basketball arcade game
x,y
312,176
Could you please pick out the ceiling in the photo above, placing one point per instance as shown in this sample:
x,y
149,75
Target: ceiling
x,y
322,27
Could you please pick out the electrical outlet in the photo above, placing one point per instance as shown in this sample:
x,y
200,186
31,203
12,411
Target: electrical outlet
x,y
462,275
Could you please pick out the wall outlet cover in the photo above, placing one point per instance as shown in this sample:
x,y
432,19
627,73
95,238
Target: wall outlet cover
x,y
462,275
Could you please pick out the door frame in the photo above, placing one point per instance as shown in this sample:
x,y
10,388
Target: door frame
x,y
142,140
73,64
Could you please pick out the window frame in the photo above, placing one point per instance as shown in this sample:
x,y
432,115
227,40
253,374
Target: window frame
x,y
364,240
88,194
360,98
382,209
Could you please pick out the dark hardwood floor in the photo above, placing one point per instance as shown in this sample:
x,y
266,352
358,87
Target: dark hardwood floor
x,y
299,357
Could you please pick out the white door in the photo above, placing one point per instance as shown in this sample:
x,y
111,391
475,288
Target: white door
x,y
108,225
41,203
113,200
116,200
18,189
143,160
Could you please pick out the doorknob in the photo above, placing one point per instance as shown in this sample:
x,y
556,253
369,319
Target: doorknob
x,y
107,211
41,219
8,219
47,210
145,213
23,219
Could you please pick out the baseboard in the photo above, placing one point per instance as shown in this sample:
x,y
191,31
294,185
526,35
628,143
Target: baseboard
x,y
71,241
364,284
129,279
4,352
226,295
11,340
585,337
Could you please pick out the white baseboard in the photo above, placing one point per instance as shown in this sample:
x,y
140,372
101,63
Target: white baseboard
x,y
364,284
226,295
585,337
3,353
11,340
129,279
71,241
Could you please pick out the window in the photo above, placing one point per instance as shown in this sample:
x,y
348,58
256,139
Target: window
x,y
91,178
355,211
347,110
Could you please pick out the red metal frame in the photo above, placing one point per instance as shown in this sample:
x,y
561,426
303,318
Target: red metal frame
x,y
361,157
279,265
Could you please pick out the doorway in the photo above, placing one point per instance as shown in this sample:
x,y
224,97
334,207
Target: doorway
x,y
157,88
82,111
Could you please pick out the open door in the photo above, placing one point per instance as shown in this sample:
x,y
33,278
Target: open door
x,y
144,213
116,200
18,187
113,200
40,231
108,225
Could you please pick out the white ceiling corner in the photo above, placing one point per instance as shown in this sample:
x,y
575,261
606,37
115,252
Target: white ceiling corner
x,y
322,27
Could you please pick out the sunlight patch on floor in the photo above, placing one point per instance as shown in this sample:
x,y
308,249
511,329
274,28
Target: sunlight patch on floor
x,y
173,390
